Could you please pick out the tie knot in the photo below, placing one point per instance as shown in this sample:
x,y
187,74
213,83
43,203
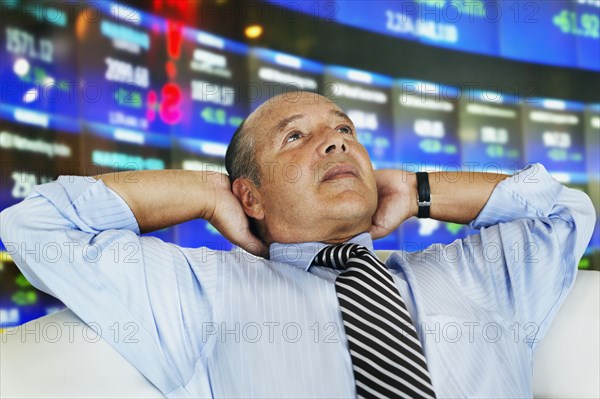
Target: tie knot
x,y
336,256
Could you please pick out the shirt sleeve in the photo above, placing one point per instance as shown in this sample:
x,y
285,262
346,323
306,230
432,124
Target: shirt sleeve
x,y
533,232
79,241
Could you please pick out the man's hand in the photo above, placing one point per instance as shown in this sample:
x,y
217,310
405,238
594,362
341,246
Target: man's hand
x,y
397,200
228,217
456,197
163,198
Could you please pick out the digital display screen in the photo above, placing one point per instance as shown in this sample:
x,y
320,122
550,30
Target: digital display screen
x,y
490,132
123,68
553,134
32,155
212,75
425,121
592,144
273,73
129,105
464,25
591,119
19,300
38,65
396,18
557,32
461,25
584,23
544,24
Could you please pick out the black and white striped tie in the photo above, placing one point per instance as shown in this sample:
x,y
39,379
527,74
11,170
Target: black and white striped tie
x,y
387,357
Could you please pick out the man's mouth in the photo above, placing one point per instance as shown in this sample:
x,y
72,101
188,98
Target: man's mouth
x,y
340,171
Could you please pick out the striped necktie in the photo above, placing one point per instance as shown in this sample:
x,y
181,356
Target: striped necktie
x,y
387,358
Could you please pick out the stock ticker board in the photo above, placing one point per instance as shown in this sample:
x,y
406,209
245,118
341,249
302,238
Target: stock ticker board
x,y
119,89
39,71
558,32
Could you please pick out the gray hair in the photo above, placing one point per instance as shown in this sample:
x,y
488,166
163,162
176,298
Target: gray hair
x,y
239,158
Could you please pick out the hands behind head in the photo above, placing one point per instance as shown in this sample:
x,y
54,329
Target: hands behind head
x,y
396,200
228,217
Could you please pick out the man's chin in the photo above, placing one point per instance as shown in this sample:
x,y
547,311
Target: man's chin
x,y
351,213
352,198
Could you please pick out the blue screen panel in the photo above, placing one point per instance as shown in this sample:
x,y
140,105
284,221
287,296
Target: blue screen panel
x,y
200,233
584,23
592,143
554,136
531,31
490,133
558,32
272,73
592,140
425,122
460,25
212,75
38,67
32,155
396,18
124,69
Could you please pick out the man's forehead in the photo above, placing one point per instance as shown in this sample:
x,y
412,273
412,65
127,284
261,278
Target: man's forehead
x,y
283,106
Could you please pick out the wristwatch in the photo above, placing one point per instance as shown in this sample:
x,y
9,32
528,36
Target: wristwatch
x,y
424,199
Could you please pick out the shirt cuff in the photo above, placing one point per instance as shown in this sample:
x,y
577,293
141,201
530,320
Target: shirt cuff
x,y
89,204
531,193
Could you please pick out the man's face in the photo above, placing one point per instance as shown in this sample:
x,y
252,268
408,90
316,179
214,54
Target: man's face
x,y
317,179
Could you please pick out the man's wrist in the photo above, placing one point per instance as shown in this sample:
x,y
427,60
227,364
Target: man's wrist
x,y
414,194
210,185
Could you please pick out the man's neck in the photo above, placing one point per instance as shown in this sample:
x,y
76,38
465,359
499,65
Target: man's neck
x,y
301,254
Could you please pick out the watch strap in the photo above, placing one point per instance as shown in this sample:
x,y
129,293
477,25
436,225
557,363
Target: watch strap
x,y
424,199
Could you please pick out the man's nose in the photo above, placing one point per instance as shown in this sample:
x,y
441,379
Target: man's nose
x,y
333,142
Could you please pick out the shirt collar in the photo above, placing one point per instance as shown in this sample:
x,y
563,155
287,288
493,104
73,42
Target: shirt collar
x,y
301,255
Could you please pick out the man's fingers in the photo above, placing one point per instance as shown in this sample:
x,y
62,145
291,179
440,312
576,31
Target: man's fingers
x,y
250,243
378,232
255,247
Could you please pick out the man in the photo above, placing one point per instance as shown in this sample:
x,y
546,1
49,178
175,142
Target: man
x,y
210,323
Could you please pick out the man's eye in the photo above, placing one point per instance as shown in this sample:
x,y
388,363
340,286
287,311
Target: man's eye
x,y
293,137
345,129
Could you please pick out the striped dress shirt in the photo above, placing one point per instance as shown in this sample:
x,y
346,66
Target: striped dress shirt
x,y
204,323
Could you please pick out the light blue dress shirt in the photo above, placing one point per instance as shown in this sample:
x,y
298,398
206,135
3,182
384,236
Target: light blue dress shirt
x,y
202,323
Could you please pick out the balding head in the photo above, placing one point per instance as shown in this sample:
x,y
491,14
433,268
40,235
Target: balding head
x,y
300,173
240,158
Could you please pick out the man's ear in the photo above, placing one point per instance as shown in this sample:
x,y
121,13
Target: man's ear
x,y
249,196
